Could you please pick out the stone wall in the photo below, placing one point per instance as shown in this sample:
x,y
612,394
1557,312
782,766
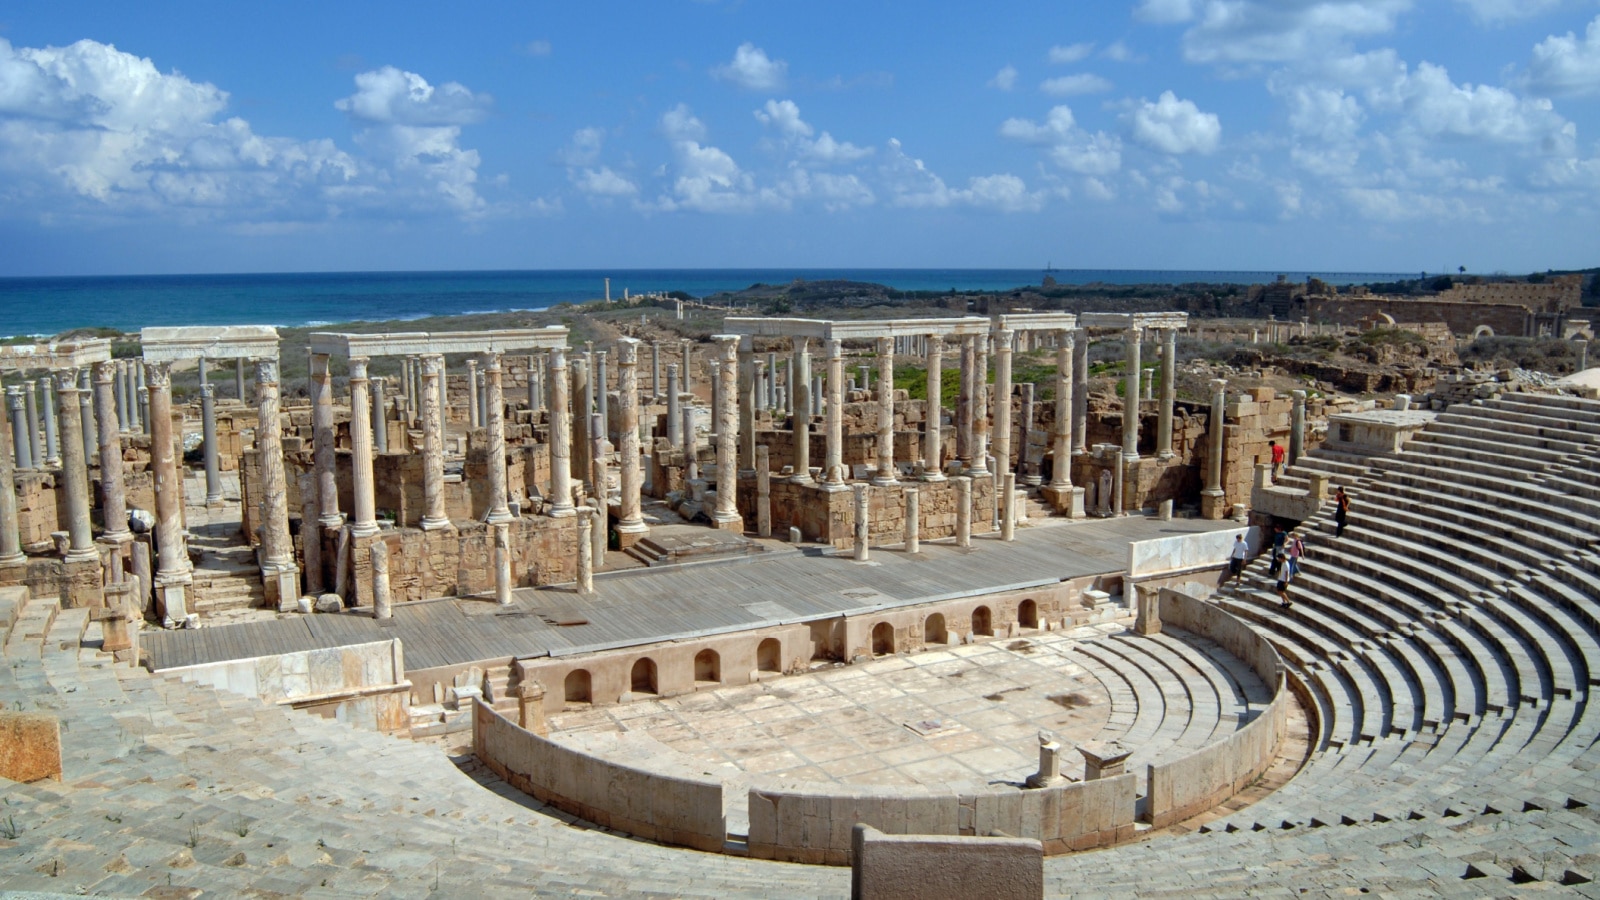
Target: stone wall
x,y
450,562
829,516
1461,316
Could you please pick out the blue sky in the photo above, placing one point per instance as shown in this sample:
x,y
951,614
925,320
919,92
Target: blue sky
x,y
1360,135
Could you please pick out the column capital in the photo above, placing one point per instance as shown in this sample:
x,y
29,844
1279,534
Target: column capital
x,y
319,365
472,364
1136,332
208,391
886,346
935,342
557,358
266,372
1219,385
432,364
835,348
158,374
358,368
801,344
105,372
67,381
628,351
1003,339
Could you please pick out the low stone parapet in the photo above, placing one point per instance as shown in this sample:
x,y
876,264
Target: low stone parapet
x,y
940,867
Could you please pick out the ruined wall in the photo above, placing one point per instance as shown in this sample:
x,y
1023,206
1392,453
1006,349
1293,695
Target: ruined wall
x,y
829,516
1461,316
450,562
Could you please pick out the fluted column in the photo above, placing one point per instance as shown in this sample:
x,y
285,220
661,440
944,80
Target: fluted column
x,y
1080,394
630,518
933,437
322,443
655,368
1061,468
21,446
727,512
433,443
833,460
119,387
365,514
74,471
886,471
494,403
113,499
1169,392
800,393
472,395
380,423
1130,395
560,499
277,548
91,439
1213,493
980,405
30,395
602,397
10,535
1003,338
174,572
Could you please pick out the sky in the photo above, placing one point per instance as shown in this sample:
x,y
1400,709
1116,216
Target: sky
x,y
1319,135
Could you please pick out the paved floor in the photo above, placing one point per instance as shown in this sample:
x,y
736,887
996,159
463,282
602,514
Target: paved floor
x,y
783,585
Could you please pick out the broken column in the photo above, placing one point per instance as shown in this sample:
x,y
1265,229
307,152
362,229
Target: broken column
x,y
1049,773
310,546
863,520
1080,393
886,472
726,517
800,395
630,513
20,444
278,569
502,563
382,598
963,485
913,520
560,499
585,550
1029,472
1169,392
980,405
208,434
674,412
763,492
932,436
1002,400
1297,426
322,443
174,573
380,424
473,421
433,516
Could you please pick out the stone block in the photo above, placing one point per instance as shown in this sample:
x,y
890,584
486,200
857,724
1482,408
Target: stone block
x,y
932,867
30,746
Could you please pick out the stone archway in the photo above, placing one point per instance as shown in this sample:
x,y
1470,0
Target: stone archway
x,y
769,656
982,622
576,688
708,666
1482,331
1028,614
882,639
933,630
643,677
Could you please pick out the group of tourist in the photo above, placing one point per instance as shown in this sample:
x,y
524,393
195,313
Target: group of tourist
x,y
1288,548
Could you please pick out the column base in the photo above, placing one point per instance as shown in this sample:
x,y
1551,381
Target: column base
x,y
431,524
733,523
889,481
172,598
1033,480
365,529
329,521
500,516
1130,457
1066,499
1212,505
833,487
85,554
933,475
566,511
282,582
1165,455
801,479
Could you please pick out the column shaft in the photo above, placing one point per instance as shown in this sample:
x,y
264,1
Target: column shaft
x,y
980,405
886,471
52,435
1130,396
494,420
433,443
363,489
113,498
1169,392
473,421
1061,466
833,460
1297,426
1080,394
1002,400
277,549
560,499
744,391
19,427
380,418
630,519
728,430
91,439
674,401
173,570
800,394
208,433
74,468
322,443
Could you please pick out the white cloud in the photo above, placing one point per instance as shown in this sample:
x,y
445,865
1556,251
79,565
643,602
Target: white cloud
x,y
537,48
784,116
1068,85
1005,79
912,184
584,148
1174,126
1250,31
1006,193
1391,205
1165,12
603,182
1325,113
89,129
1437,107
1071,147
752,70
1070,53
1494,12
679,124
1563,64
389,96
1117,51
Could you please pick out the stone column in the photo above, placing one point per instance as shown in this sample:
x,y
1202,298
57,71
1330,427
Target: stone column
x,y
119,388
1061,467
1169,392
52,439
560,499
674,407
10,535
1007,492
833,460
472,395
535,383
630,518
174,573
30,395
483,399
1211,498
208,431
502,563
443,390
365,514
686,369
380,418
863,520
585,550
382,598
963,485
1003,338
494,422
932,435
583,404
74,469
1080,394
278,567
433,516
913,520
113,502
310,537
21,446
1130,396
142,416
763,492
691,466
886,472
322,443
800,396
726,516
91,440
1297,426
744,391
1030,472
980,405
655,368
716,395
602,394
238,378
597,505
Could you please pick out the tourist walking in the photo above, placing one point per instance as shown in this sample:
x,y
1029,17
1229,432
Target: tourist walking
x,y
1341,512
1297,549
1277,460
1284,577
1237,559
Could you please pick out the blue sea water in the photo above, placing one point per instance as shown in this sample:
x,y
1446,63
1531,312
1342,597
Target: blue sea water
x,y
47,306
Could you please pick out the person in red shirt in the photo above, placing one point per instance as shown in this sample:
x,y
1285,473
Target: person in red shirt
x,y
1277,459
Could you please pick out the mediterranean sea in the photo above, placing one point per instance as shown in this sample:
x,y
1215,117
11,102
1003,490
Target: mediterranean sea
x,y
49,306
